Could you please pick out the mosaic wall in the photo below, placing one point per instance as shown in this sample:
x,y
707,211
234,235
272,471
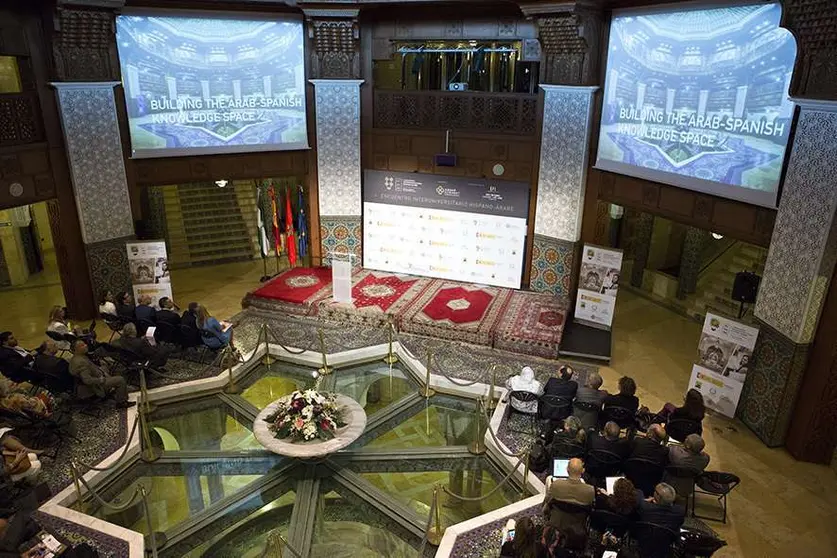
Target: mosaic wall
x,y
5,280
643,230
108,262
772,385
338,146
690,261
563,164
552,266
94,151
342,235
803,249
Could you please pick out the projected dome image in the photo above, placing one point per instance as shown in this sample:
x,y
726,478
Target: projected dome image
x,y
700,94
206,85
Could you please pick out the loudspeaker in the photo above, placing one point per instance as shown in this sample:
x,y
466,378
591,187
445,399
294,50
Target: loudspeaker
x,y
745,287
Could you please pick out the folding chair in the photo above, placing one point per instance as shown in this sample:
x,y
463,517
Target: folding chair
x,y
654,541
680,428
717,484
644,473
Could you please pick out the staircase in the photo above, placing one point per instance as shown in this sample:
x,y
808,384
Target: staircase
x,y
714,291
209,225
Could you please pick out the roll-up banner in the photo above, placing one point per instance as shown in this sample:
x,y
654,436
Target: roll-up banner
x,y
149,266
598,283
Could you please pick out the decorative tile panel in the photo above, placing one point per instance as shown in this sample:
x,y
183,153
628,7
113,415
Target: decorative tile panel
x,y
338,145
643,231
340,234
94,151
552,266
108,263
563,165
800,261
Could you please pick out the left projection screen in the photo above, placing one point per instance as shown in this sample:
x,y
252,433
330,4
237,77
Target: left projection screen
x,y
202,85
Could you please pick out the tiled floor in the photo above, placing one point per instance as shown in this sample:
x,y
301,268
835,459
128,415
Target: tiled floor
x,y
782,507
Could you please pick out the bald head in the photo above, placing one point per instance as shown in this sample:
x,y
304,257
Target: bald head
x,y
694,443
656,432
575,468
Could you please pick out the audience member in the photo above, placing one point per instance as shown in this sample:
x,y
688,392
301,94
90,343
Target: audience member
x,y
609,440
144,310
573,541
125,306
660,509
525,381
690,455
563,385
571,436
626,397
57,323
216,334
651,446
571,490
526,542
55,370
140,346
15,361
591,394
106,305
622,501
23,397
95,380
693,409
190,316
167,314
19,462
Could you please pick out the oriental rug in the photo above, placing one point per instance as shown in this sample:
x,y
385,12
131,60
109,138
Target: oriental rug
x,y
532,324
295,291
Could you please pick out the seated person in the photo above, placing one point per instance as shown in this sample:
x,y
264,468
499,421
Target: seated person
x,y
571,435
608,440
590,393
125,306
525,381
23,397
94,380
622,501
693,409
190,316
168,312
690,455
19,462
573,490
57,323
216,334
140,346
106,304
526,542
144,310
651,446
626,397
660,508
563,386
15,361
55,371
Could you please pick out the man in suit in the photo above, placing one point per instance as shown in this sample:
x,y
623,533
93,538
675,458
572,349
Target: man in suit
x,y
571,490
563,386
690,455
591,395
56,371
144,311
15,361
168,312
651,446
609,440
140,346
660,509
96,381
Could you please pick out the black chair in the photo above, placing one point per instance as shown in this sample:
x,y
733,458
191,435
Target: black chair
x,y
143,325
522,397
566,449
698,544
625,418
571,508
114,323
554,408
654,541
644,473
682,479
601,464
167,333
680,428
58,338
189,337
605,520
717,484
587,413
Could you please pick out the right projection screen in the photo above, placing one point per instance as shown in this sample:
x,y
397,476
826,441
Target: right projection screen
x,y
698,98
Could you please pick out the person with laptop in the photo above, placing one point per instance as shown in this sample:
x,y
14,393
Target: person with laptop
x,y
570,489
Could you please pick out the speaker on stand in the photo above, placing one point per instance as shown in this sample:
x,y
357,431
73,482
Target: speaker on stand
x,y
745,287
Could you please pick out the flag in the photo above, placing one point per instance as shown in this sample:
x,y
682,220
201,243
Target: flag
x,y
301,225
271,191
264,243
289,229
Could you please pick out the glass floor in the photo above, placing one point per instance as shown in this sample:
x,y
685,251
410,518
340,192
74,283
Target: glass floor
x,y
216,493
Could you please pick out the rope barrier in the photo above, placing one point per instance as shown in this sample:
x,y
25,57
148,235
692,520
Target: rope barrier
x,y
495,489
121,456
497,441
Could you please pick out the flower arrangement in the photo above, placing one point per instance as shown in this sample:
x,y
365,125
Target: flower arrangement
x,y
307,415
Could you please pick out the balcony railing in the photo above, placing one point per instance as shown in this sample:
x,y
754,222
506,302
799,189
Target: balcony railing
x,y
20,119
508,113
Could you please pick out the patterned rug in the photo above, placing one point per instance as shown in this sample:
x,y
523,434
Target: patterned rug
x,y
377,296
457,311
533,324
295,291
76,534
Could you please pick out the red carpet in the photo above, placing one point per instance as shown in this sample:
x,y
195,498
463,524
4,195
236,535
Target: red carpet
x,y
295,291
533,324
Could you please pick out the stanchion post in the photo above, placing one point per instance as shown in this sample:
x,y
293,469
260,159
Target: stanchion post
x,y
435,532
427,392
325,370
491,404
524,492
391,357
146,402
227,358
267,359
477,445
77,485
149,453
152,536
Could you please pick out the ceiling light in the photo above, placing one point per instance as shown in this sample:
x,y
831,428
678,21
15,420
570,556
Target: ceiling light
x,y
717,236
221,183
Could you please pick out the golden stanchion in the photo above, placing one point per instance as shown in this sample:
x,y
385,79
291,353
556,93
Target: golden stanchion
x,y
491,404
152,536
227,358
79,502
524,491
325,370
427,392
146,402
391,357
435,532
477,445
267,359
149,453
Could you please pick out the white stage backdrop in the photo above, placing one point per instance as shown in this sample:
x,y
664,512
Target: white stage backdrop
x,y
464,229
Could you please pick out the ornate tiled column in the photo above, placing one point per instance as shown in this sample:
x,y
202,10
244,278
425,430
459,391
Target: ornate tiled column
x,y
562,176
799,267
642,246
690,261
97,169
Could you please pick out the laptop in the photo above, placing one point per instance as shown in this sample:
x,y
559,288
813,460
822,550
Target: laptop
x,y
559,468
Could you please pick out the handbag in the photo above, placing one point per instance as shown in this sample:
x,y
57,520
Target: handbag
x,y
22,467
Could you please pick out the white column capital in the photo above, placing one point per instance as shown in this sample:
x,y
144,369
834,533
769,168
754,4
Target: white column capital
x,y
569,88
61,85
317,82
815,104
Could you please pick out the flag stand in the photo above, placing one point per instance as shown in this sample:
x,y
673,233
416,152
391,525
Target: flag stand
x,y
265,277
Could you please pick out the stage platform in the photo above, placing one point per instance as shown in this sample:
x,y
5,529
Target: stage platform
x,y
517,321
